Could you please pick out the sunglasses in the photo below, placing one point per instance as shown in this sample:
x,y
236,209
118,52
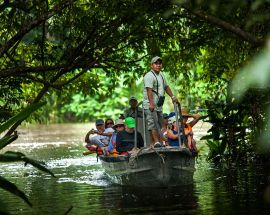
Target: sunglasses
x,y
119,126
109,123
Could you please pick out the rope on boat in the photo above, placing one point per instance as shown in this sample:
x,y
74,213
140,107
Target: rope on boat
x,y
160,155
135,156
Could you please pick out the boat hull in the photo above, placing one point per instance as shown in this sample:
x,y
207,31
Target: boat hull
x,y
161,167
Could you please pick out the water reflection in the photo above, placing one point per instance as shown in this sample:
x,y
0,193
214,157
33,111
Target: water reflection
x,y
154,200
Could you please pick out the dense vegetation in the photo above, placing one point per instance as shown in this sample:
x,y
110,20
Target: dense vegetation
x,y
83,56
86,57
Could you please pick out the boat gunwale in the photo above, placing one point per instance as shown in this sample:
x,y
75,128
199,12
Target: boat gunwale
x,y
146,151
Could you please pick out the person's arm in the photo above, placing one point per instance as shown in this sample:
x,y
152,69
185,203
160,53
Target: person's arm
x,y
119,142
196,118
111,146
150,98
171,135
108,134
169,92
87,137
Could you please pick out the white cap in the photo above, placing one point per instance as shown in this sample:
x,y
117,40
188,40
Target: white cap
x,y
155,59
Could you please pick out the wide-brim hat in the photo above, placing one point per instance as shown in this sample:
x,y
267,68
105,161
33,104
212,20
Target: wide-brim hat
x,y
185,113
118,122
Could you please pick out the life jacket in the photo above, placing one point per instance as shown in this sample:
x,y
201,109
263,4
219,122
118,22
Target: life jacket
x,y
96,149
99,151
114,153
188,127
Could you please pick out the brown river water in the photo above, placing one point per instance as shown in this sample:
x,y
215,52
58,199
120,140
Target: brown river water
x,y
82,186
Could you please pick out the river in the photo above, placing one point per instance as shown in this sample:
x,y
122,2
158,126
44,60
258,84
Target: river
x,y
82,187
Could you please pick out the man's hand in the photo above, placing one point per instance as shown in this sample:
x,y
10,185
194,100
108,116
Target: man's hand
x,y
174,99
151,107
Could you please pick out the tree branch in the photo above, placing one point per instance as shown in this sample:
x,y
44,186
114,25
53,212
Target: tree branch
x,y
229,27
17,71
59,7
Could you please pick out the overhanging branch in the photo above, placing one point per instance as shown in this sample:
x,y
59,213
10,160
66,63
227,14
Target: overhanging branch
x,y
228,26
27,28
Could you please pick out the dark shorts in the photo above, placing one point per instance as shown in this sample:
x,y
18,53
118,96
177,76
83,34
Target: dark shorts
x,y
153,119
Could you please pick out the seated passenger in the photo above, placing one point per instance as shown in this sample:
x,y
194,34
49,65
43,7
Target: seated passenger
x,y
109,123
172,134
101,136
188,139
130,111
125,138
188,128
119,126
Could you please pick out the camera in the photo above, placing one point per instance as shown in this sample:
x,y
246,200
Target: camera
x,y
161,100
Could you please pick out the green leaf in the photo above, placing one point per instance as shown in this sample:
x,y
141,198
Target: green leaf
x,y
12,188
38,164
10,156
7,140
20,116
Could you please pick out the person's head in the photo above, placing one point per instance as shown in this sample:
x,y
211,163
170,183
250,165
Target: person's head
x,y
133,102
129,124
185,115
156,64
165,118
100,125
119,125
173,122
109,123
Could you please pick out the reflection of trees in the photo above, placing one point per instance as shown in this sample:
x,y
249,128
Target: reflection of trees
x,y
234,191
154,200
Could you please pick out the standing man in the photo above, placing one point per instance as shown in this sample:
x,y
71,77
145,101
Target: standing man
x,y
155,86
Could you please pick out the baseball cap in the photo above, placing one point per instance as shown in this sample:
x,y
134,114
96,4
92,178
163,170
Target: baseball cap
x,y
165,116
99,122
171,114
155,59
130,122
132,98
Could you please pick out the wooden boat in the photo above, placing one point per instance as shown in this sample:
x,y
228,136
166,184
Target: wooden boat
x,y
151,167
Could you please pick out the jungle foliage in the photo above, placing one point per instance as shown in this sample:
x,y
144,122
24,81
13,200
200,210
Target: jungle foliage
x,y
10,156
63,50
89,55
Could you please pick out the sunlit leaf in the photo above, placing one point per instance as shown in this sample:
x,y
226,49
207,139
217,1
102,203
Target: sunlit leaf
x,y
7,140
21,116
